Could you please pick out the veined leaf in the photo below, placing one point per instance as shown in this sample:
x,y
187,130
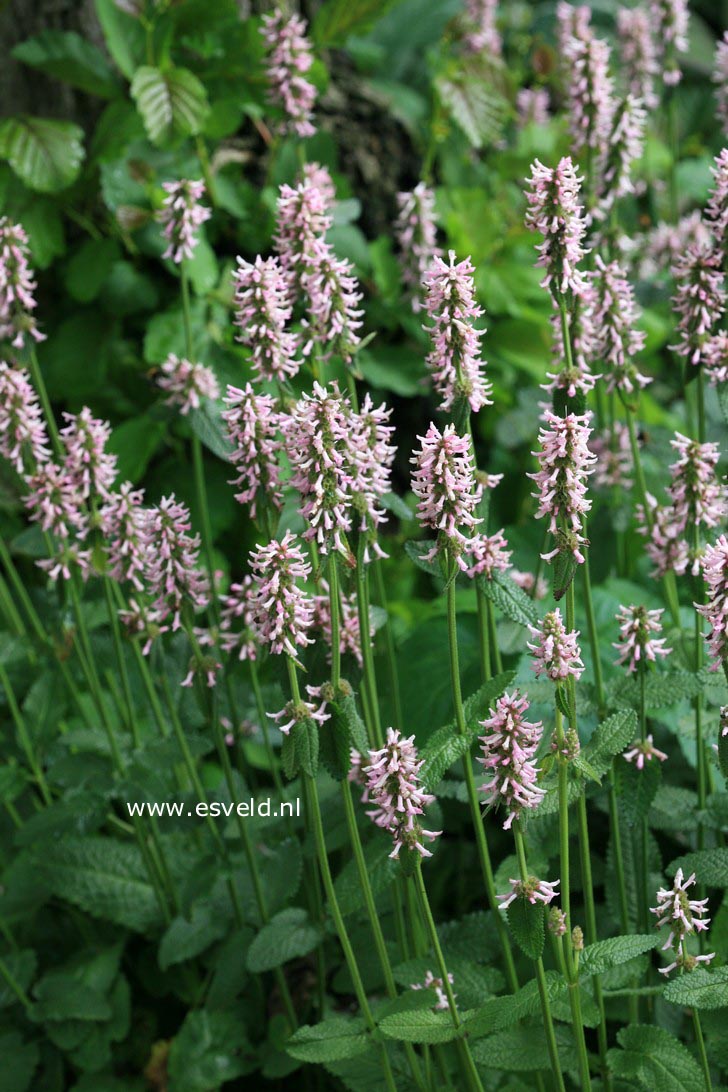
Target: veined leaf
x,y
700,989
172,103
419,1026
69,57
510,600
709,865
527,925
44,153
288,935
337,19
469,89
605,954
330,1041
656,1059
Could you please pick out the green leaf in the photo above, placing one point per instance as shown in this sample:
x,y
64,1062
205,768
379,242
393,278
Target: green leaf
x,y
89,267
332,1040
510,600
67,56
343,730
605,954
610,738
656,1059
526,920
123,34
20,1060
419,1026
468,89
503,1012
172,103
446,745
21,965
709,865
304,734
46,155
723,753
699,989
208,424
381,870
417,552
105,878
62,997
564,570
210,1049
637,789
135,442
288,935
185,939
337,19
518,1050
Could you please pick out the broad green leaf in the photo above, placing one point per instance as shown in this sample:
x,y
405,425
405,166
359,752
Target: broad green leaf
x,y
723,753
662,689
305,740
135,442
45,154
185,939
381,870
19,1061
337,19
21,965
104,877
637,789
288,935
605,954
62,997
418,551
420,1026
343,730
520,1050
656,1059
610,738
332,1040
447,745
89,267
526,920
470,92
67,56
208,424
210,1049
503,1012
699,989
709,865
172,103
510,600
123,34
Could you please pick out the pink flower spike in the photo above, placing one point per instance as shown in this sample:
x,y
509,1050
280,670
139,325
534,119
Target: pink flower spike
x,y
481,32
289,58
715,611
281,614
699,300
415,230
302,217
533,106
699,497
555,212
262,310
444,484
617,339
252,422
683,915
488,554
590,93
17,287
639,644
187,385
639,54
509,746
720,79
334,316
23,436
716,210
122,521
393,786
181,216
670,25
556,653
565,464
171,557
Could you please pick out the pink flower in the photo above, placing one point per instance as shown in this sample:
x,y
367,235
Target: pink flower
x,y
556,652
698,497
91,469
715,358
666,244
187,385
301,219
720,79
643,751
667,547
17,287
54,502
670,22
317,434
639,643
252,424
281,614
699,300
415,230
565,464
533,106
488,554
289,58
533,890
590,93
527,582
639,54
444,484
509,746
454,359
684,916
372,455
555,212
436,984
143,622
349,631
315,175
716,211
573,22
715,574
262,311
334,316
181,216
122,520
625,145
617,340
171,556
481,33
23,437
293,712
393,785
236,608
613,450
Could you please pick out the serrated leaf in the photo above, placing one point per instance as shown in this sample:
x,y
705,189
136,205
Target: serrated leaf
x,y
420,1026
662,689
332,1040
709,865
605,954
723,753
288,935
637,789
519,1050
526,920
699,989
446,745
45,154
207,423
62,997
610,738
510,600
186,938
468,90
417,552
172,103
656,1059
210,1049
381,870
67,56
502,1012
564,569
304,734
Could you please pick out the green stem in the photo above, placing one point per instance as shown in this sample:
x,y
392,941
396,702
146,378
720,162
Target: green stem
x,y
15,986
26,741
701,1050
473,1078
390,646
591,935
369,672
493,633
335,623
592,628
39,383
484,636
121,661
644,851
563,790
672,142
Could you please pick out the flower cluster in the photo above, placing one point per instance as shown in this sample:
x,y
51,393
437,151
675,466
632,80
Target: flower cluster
x,y
639,644
532,890
590,93
481,34
372,455
699,300
716,210
171,554
639,54
301,219
488,554
666,546
555,212
53,501
180,216
122,519
236,620
565,463
698,497
186,384
252,425
670,22
715,611
295,711
430,982
334,315
17,287
349,629
617,339
720,78
23,437
556,653
415,230
281,614
684,916
454,359
612,447
444,484
509,746
290,58
90,468
624,147
262,311
533,106
715,358
642,751
666,244
393,786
